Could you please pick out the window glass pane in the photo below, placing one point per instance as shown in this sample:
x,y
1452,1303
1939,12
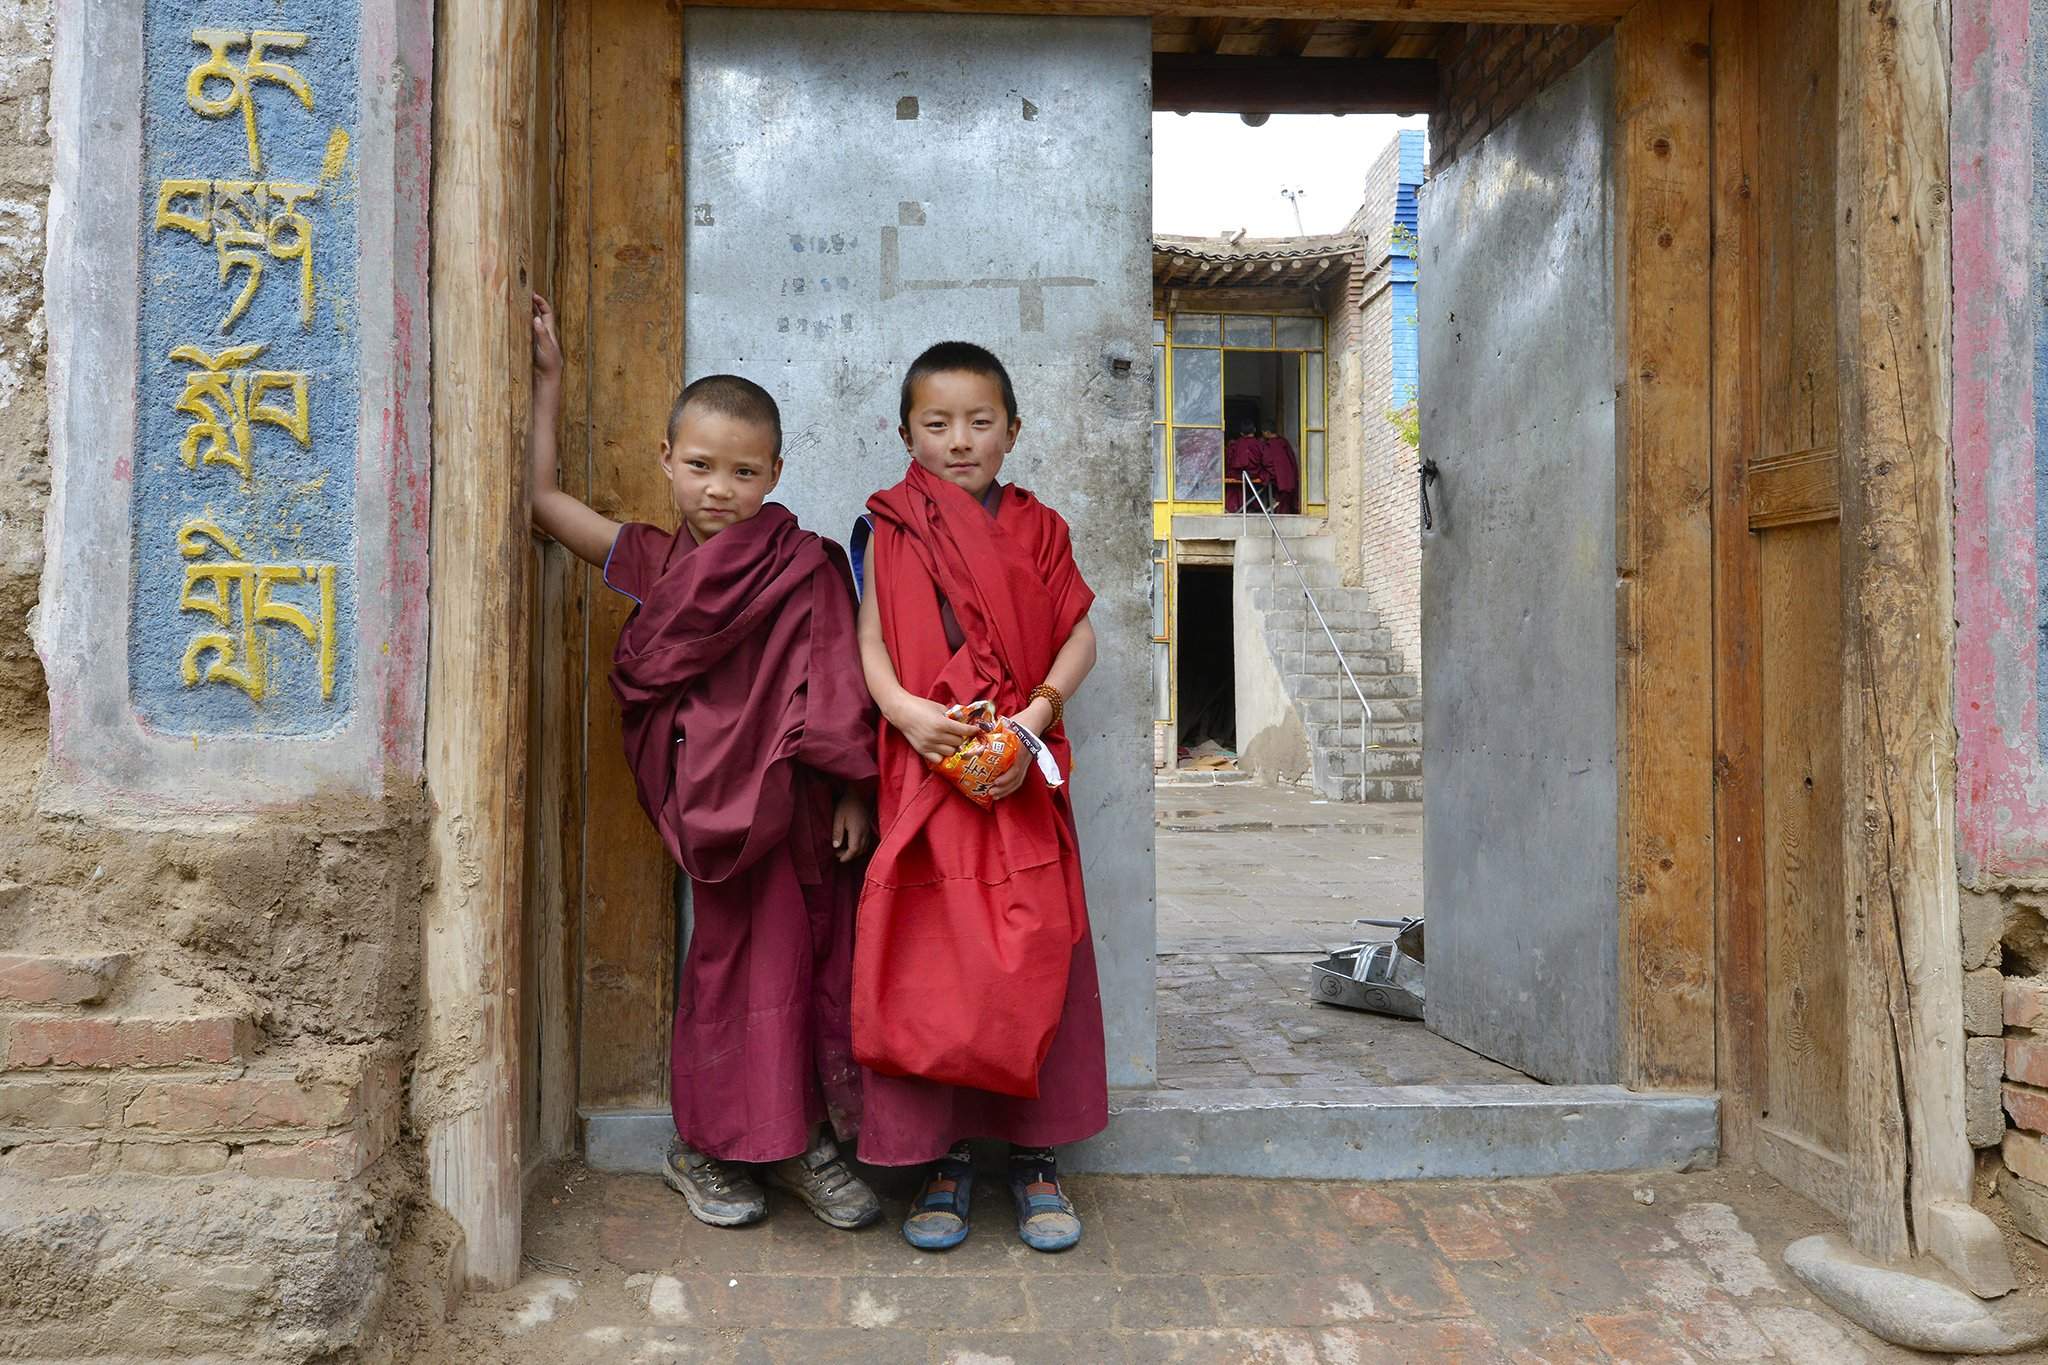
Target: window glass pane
x,y
1197,386
1196,329
1159,329
1314,408
1247,331
1301,334
1158,463
1159,383
1198,464
1314,472
1162,682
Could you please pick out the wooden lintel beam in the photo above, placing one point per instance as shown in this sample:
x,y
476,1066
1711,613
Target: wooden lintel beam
x,y
1289,37
1409,11
1185,83
1209,34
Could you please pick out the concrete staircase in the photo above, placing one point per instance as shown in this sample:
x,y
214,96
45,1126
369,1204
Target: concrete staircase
x,y
1390,767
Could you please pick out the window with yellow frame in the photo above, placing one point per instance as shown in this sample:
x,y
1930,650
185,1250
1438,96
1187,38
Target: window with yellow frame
x,y
1191,357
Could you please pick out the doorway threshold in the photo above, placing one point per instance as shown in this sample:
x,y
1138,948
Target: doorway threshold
x,y
1388,1132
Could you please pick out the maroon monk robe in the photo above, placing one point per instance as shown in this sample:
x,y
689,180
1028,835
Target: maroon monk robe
x,y
1243,456
1283,471
975,998
738,675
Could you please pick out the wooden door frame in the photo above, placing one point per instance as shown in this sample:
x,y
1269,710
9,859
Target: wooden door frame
x,y
1674,896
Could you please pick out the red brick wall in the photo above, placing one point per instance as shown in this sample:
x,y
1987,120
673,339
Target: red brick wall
x,y
1492,70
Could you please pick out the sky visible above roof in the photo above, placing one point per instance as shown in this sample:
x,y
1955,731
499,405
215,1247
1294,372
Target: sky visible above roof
x,y
1211,173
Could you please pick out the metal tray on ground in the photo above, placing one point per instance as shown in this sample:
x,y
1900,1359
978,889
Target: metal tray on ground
x,y
1385,978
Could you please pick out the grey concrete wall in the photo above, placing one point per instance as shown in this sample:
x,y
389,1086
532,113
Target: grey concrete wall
x,y
1518,356
861,186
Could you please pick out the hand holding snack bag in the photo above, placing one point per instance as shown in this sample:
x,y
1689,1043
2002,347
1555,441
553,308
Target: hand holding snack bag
x,y
997,745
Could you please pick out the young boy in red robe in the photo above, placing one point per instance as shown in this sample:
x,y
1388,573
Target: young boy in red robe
x,y
1243,458
976,1007
752,741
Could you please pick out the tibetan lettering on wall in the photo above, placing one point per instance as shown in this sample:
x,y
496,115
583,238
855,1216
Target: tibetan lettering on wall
x,y
242,613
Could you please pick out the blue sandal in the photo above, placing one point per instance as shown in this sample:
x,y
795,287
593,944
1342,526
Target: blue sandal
x,y
1046,1220
938,1216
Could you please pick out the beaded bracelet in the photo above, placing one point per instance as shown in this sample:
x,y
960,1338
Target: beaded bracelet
x,y
1051,694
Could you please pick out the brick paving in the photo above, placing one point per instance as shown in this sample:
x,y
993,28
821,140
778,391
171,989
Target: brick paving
x,y
1255,883
1183,1269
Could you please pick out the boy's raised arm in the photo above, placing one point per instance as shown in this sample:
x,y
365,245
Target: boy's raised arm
x,y
588,533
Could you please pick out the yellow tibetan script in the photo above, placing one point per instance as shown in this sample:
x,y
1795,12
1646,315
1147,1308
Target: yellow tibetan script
x,y
248,223
241,645
240,80
225,401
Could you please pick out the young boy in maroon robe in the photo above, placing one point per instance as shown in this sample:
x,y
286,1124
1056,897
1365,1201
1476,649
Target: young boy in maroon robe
x,y
1243,458
752,741
975,1007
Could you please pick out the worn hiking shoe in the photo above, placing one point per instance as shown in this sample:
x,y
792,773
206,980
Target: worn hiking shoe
x,y
717,1192
819,1177
938,1218
1046,1220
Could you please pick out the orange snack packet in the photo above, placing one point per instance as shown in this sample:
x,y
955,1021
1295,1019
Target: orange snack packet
x,y
985,756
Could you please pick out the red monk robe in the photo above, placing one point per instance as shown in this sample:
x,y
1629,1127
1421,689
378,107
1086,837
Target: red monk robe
x,y
975,998
744,708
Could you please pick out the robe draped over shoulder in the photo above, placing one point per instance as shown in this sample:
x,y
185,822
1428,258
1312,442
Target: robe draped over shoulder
x,y
744,712
975,999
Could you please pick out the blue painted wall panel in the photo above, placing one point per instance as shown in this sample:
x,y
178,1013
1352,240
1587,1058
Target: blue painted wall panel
x,y
244,504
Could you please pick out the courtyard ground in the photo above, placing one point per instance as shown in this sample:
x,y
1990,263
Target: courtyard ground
x,y
1659,1269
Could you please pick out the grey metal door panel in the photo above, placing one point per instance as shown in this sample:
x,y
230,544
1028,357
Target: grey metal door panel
x,y
861,186
1518,588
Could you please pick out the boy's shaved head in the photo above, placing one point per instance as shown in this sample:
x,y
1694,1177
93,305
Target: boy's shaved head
x,y
730,396
956,357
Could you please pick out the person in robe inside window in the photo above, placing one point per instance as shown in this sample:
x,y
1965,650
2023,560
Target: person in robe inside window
x,y
1282,470
975,1006
751,739
1243,458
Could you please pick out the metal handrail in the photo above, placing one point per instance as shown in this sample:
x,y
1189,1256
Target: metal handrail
x,y
1252,494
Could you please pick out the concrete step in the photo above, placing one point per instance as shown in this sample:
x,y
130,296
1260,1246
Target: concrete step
x,y
1289,614
1320,577
1324,711
1386,732
1374,789
1352,639
1324,664
1330,686
1421,1132
1403,761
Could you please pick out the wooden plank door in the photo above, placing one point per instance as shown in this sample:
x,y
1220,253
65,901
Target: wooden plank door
x,y
601,900
1778,596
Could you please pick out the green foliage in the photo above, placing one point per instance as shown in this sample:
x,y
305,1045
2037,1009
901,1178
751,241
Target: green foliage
x,y
1407,424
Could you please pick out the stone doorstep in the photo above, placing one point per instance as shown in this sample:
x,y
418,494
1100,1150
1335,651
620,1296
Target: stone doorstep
x,y
46,979
1399,1132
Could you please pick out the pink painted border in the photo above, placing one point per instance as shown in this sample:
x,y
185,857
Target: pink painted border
x,y
2002,783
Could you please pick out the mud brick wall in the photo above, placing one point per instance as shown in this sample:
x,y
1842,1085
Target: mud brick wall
x,y
208,985
1491,70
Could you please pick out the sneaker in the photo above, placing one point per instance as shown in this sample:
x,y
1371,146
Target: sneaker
x,y
938,1216
1046,1220
717,1192
819,1177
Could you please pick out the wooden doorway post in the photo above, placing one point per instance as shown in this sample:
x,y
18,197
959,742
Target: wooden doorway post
x,y
1910,1164
467,1090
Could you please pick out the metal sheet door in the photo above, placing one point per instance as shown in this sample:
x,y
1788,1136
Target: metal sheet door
x,y
860,186
1518,588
